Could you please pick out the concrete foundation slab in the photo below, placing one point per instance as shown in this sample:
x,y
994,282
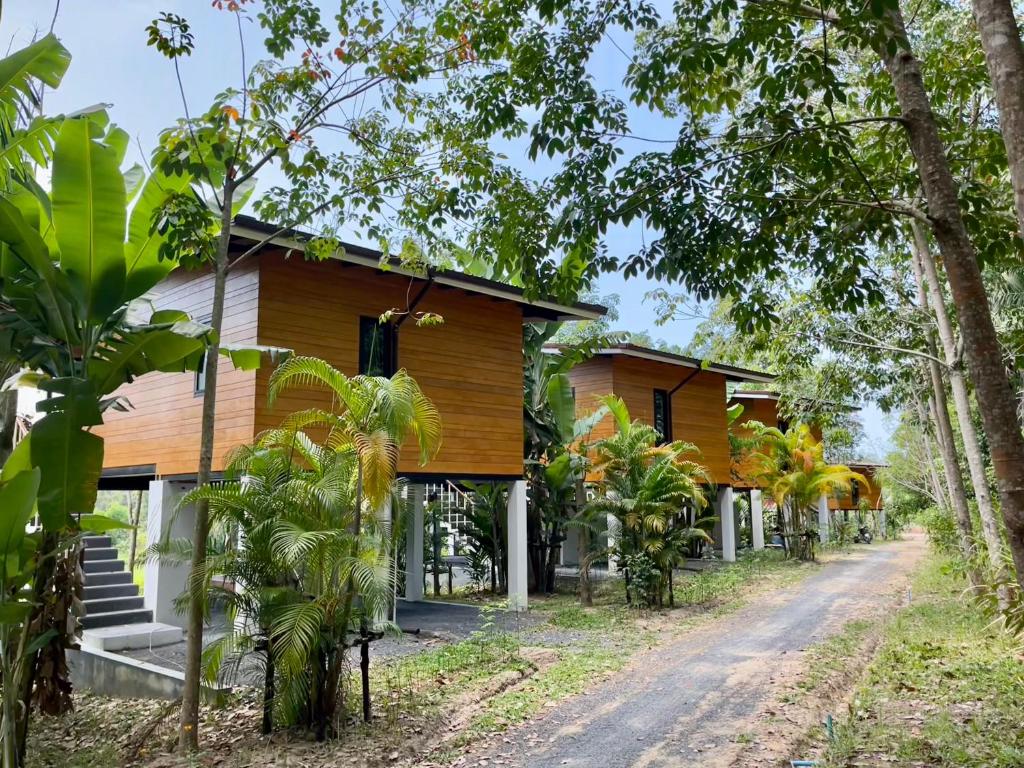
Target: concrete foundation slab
x,y
131,636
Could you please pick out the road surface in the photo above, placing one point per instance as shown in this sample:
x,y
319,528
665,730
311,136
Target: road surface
x,y
685,702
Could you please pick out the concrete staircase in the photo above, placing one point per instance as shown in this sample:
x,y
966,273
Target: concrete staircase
x,y
115,616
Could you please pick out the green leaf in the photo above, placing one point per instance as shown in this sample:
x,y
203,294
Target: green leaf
x,y
14,613
144,266
17,502
134,354
40,642
45,60
89,212
249,357
561,402
70,458
733,412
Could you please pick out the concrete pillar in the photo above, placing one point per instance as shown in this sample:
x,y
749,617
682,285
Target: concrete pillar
x,y
884,532
727,519
517,561
165,581
570,554
756,519
414,545
823,526
614,531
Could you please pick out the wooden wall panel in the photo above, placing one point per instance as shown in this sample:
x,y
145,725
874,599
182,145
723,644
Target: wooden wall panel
x,y
698,409
163,426
471,366
764,411
873,496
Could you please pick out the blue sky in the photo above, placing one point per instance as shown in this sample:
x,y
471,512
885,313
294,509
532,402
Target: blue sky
x,y
112,64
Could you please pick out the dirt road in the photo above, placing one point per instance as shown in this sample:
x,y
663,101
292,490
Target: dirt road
x,y
695,700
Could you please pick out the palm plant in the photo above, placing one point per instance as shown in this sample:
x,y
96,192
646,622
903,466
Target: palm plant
x,y
647,488
371,417
791,466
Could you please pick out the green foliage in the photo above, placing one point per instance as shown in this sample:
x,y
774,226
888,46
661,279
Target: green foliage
x,y
944,688
647,488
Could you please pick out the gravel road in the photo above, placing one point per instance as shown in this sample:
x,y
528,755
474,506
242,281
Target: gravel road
x,y
685,703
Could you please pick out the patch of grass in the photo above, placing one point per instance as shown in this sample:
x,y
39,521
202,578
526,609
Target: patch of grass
x,y
834,654
946,688
726,581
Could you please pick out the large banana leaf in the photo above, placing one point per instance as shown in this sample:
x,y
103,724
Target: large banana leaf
x,y
69,458
35,141
562,403
45,60
145,268
135,353
89,212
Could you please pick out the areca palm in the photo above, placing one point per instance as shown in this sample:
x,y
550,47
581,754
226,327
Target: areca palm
x,y
791,466
647,487
372,417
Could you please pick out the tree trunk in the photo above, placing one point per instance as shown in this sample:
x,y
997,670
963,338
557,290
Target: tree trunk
x,y
991,384
941,492
435,547
1004,56
135,517
188,736
8,423
925,272
951,465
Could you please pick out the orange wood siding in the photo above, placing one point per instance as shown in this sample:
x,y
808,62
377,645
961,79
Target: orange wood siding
x,y
698,409
764,411
592,380
163,426
470,367
873,495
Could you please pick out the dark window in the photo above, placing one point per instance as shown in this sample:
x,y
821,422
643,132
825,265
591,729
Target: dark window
x,y
855,493
376,347
663,414
783,425
199,380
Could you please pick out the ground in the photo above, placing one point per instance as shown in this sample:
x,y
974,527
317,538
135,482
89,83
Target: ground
x,y
744,678
702,699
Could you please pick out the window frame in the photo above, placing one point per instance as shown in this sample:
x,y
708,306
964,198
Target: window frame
x,y
389,352
666,399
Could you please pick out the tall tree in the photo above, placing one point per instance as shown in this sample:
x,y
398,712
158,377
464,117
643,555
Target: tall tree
x,y
765,177
1004,54
343,162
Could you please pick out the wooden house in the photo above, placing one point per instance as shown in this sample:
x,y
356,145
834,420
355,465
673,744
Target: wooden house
x,y
470,366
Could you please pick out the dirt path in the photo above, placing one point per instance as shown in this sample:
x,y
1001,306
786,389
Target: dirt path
x,y
695,700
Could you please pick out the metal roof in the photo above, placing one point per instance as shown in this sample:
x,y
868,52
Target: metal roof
x,y
645,353
253,229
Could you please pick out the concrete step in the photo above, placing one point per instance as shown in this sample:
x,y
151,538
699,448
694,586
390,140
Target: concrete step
x,y
103,566
104,591
106,577
100,553
138,616
122,637
111,604
97,541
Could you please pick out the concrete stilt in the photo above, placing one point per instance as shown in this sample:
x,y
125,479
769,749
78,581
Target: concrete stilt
x,y
517,560
823,523
165,581
613,541
414,545
727,519
756,519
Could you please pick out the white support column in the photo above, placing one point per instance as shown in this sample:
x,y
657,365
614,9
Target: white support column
x,y
727,518
823,526
517,567
414,545
613,540
165,581
756,518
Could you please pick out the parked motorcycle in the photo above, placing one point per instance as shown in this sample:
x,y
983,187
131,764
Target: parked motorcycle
x,y
863,536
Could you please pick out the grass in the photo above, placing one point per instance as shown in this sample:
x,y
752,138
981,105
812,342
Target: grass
x,y
946,687
724,583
